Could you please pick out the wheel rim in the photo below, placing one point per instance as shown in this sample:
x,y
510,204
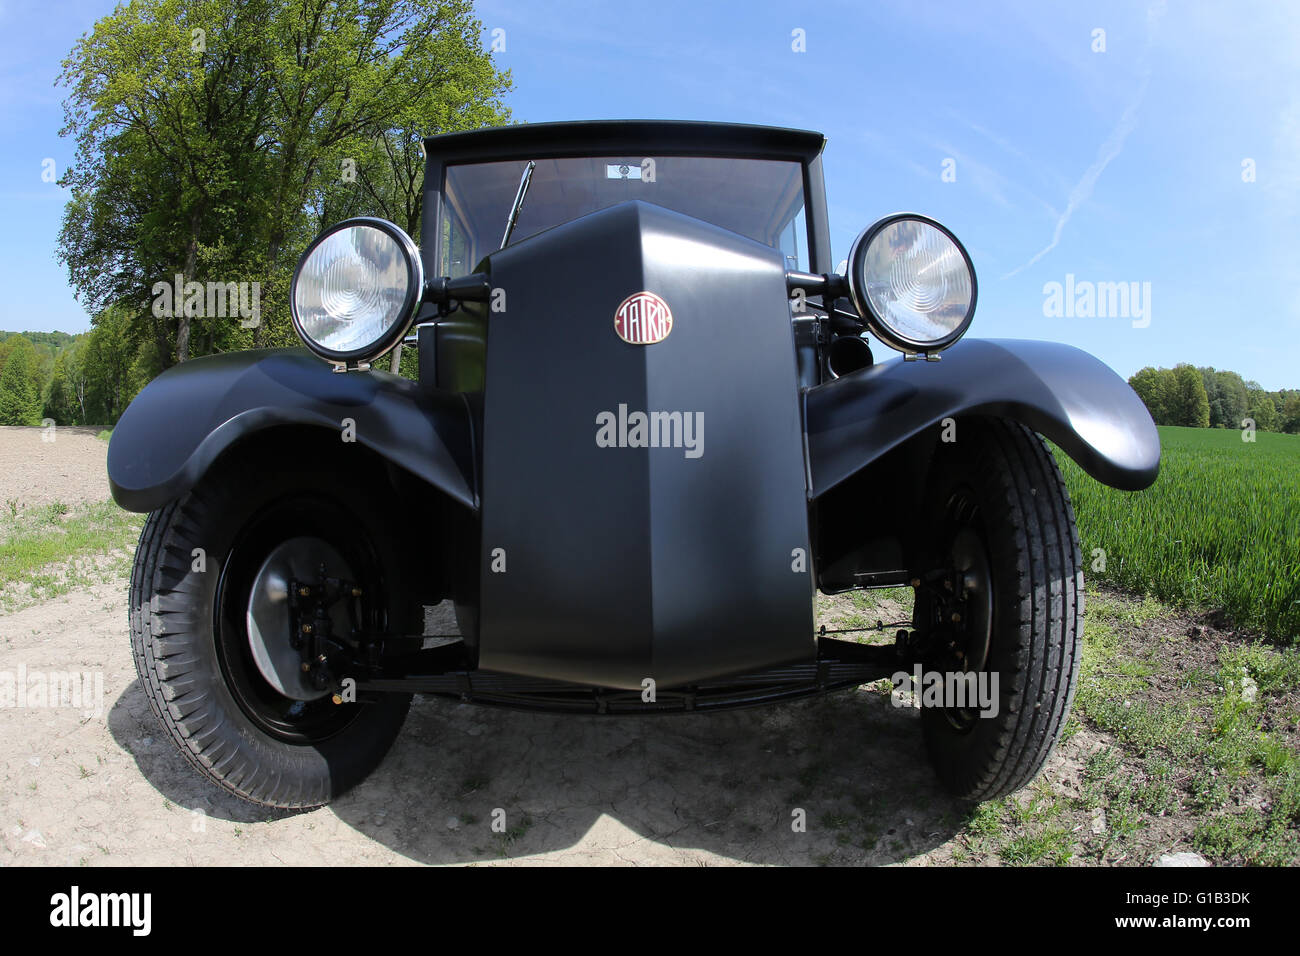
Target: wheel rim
x,y
959,611
973,634
268,618
274,539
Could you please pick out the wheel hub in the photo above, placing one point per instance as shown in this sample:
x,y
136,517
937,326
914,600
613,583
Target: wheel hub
x,y
966,615
274,632
974,597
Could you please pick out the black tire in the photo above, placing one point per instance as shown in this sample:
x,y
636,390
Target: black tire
x,y
231,724
999,481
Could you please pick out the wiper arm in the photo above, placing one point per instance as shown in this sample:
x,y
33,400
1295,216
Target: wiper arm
x,y
524,181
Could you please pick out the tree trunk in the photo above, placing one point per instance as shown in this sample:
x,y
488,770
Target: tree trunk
x,y
159,328
191,263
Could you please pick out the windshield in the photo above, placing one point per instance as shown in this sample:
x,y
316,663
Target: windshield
x,y
759,198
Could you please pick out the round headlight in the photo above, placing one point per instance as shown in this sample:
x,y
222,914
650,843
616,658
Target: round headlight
x,y
356,290
912,282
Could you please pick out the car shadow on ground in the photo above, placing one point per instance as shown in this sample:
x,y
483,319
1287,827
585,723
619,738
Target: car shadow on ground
x,y
470,784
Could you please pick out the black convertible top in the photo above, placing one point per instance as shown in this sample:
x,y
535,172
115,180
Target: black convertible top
x,y
655,137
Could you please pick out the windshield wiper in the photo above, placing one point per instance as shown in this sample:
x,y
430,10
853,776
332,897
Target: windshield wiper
x,y
524,180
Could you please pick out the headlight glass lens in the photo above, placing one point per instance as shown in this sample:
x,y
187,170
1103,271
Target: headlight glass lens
x,y
353,288
916,282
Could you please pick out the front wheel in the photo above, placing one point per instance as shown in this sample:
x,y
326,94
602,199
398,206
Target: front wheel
x,y
1001,601
210,631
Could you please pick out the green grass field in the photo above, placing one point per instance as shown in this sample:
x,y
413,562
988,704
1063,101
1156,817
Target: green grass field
x,y
1219,528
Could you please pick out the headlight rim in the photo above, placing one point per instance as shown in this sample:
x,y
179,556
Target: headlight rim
x,y
877,326
410,305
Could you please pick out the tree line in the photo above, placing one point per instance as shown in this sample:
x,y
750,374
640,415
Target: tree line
x,y
88,379
214,139
1214,398
84,379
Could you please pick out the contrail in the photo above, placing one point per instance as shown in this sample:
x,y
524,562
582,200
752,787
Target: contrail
x,y
1111,148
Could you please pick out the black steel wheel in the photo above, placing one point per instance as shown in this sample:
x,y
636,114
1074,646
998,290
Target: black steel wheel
x,y
206,573
1000,597
302,527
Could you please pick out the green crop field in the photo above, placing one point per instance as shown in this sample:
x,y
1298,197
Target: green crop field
x,y
1219,528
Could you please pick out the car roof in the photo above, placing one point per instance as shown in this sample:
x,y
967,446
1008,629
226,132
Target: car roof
x,y
651,137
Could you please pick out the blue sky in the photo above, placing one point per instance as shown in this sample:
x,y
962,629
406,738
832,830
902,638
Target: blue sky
x,y
1117,166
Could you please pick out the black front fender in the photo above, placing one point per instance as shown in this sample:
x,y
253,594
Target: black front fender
x,y
1059,391
186,417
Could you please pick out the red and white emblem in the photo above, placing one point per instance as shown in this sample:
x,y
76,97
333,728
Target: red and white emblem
x,y
643,319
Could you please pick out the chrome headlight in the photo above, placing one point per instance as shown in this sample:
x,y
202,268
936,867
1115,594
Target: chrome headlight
x,y
912,282
356,290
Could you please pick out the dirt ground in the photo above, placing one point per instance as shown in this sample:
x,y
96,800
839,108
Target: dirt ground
x,y
39,466
105,786
711,790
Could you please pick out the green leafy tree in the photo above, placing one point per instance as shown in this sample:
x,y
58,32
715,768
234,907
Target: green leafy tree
x,y
108,358
215,137
65,396
1235,397
1291,414
120,234
1213,397
1156,388
1263,412
1227,396
1189,404
20,391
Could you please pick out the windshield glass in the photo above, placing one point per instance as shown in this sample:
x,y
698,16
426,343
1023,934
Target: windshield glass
x,y
759,198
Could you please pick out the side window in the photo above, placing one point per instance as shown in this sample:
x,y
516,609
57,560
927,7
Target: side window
x,y
455,251
794,243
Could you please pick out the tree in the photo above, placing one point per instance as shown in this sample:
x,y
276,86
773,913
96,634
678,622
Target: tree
x,y
214,136
107,361
1189,405
65,397
20,391
1227,397
1155,387
1291,414
1263,412
119,235
1213,397
1236,397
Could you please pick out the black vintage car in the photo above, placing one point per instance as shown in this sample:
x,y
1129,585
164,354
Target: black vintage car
x,y
648,427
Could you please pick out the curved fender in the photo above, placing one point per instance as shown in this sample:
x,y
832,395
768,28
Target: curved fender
x,y
1057,390
186,417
